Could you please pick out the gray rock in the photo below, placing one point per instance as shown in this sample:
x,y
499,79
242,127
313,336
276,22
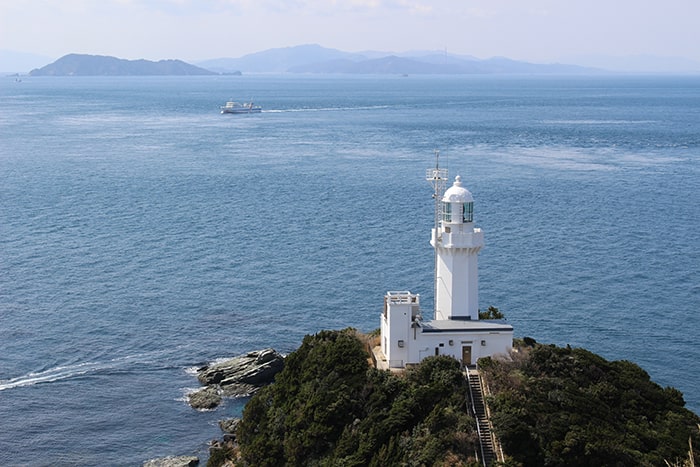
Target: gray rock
x,y
239,390
206,398
238,377
229,425
173,461
255,368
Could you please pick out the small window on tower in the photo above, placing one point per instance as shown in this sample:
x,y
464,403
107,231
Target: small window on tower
x,y
468,212
447,212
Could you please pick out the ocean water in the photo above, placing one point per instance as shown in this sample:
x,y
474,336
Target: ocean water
x,y
143,234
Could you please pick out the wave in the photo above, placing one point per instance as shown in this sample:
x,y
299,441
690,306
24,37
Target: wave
x,y
53,374
326,109
64,372
596,122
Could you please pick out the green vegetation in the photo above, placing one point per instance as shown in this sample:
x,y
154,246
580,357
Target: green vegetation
x,y
491,313
556,406
329,407
550,406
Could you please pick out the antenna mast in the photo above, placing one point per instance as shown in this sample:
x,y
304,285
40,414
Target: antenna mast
x,y
437,178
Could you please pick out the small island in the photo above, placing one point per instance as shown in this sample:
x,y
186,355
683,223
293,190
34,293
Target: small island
x,y
100,65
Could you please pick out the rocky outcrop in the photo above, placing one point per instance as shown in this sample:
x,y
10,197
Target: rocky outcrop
x,y
205,399
254,368
238,377
173,461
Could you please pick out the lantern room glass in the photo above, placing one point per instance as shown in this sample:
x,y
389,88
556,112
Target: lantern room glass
x,y
466,209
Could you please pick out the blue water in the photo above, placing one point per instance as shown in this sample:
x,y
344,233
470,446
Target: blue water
x,y
142,233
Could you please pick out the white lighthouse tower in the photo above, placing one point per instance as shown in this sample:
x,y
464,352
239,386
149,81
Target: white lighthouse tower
x,y
457,243
456,329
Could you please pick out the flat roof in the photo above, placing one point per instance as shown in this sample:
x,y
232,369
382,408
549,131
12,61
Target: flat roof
x,y
453,325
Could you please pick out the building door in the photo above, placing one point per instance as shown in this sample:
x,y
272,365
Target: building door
x,y
466,355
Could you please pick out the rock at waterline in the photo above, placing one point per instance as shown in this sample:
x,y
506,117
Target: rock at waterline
x,y
238,377
173,461
206,398
255,368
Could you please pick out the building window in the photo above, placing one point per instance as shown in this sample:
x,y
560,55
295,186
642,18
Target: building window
x,y
468,212
447,212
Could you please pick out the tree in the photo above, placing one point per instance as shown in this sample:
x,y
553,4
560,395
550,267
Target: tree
x,y
569,406
328,407
491,313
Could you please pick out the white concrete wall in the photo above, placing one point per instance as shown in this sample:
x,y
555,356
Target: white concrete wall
x,y
400,308
426,343
457,271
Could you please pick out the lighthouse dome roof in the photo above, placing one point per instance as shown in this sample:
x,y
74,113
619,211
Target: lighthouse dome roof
x,y
457,193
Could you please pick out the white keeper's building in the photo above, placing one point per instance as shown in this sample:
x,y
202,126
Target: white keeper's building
x,y
456,329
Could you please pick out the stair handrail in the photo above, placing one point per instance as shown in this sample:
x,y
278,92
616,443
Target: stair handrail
x,y
476,416
486,391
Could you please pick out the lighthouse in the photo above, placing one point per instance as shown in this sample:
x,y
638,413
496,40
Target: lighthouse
x,y
457,244
456,330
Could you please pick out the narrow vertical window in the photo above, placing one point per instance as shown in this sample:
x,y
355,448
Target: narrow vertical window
x,y
468,212
447,212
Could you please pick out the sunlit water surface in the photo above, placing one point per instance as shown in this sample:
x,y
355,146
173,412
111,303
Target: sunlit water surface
x,y
143,234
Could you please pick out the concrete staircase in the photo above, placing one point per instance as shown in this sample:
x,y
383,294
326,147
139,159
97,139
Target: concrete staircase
x,y
489,450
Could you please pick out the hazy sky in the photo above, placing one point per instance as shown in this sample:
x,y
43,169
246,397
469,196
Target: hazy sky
x,y
534,30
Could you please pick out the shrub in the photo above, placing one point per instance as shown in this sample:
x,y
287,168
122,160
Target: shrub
x,y
564,406
328,407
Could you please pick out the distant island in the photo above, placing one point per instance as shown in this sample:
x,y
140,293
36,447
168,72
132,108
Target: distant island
x,y
100,65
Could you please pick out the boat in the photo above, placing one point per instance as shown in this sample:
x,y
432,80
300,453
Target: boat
x,y
232,107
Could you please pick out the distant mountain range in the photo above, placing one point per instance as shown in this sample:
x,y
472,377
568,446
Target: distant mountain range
x,y
99,65
316,59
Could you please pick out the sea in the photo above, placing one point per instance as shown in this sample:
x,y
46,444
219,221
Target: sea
x,y
143,234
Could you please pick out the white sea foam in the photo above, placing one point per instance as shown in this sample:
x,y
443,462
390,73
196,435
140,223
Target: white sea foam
x,y
192,370
327,109
64,372
53,374
597,122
